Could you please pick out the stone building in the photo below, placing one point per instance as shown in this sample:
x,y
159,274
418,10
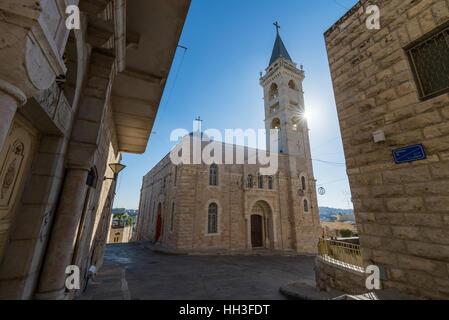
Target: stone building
x,y
233,206
120,234
71,101
393,83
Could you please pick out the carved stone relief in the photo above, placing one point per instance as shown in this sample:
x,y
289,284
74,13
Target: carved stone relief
x,y
9,172
48,99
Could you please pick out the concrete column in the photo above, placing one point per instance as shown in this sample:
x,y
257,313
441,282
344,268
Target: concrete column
x,y
10,99
62,239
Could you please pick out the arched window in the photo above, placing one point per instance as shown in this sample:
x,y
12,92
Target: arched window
x,y
172,216
260,181
306,206
212,218
276,124
295,123
274,93
303,183
250,181
213,175
270,183
292,85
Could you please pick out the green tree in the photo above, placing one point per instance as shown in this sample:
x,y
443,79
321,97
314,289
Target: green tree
x,y
121,218
345,233
130,221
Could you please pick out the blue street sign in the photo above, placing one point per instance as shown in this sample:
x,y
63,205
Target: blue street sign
x,y
409,154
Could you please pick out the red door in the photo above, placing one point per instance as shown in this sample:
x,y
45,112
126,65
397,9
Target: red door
x,y
158,228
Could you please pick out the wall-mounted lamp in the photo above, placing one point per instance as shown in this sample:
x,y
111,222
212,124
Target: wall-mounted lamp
x,y
116,169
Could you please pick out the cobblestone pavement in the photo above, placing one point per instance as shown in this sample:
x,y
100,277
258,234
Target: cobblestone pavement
x,y
133,271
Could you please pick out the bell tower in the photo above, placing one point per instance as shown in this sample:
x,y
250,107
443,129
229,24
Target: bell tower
x,y
284,102
285,111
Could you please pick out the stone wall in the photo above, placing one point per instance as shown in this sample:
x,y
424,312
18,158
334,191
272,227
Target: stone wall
x,y
402,210
330,276
187,188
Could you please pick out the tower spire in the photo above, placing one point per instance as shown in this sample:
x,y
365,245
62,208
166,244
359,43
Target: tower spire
x,y
279,49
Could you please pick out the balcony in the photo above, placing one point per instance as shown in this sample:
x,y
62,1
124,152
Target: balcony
x,y
342,253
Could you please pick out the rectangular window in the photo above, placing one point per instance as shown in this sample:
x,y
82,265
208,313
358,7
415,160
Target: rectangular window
x,y
429,59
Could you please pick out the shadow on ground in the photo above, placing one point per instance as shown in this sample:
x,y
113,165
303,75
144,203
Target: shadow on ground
x,y
133,271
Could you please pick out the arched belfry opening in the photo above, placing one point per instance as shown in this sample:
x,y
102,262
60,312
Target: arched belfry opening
x,y
292,85
276,124
274,91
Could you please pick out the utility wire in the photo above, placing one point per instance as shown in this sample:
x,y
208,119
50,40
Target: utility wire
x,y
331,182
338,3
165,106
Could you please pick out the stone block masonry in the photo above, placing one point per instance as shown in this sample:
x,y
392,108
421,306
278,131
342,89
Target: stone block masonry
x,y
402,211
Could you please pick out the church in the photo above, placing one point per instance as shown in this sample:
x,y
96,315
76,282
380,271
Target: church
x,y
232,206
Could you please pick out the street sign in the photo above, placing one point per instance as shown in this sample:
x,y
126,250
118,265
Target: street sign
x,y
409,154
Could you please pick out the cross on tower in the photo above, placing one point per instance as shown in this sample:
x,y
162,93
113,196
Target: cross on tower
x,y
276,24
197,124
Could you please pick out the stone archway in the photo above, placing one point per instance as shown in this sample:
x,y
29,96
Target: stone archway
x,y
261,226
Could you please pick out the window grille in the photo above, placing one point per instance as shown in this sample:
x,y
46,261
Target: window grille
x,y
212,218
429,59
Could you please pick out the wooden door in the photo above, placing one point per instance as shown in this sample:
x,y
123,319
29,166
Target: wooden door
x,y
158,228
256,231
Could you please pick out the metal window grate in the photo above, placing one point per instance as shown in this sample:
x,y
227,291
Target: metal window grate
x,y
430,63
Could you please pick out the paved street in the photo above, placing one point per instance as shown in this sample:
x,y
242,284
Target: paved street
x,y
132,271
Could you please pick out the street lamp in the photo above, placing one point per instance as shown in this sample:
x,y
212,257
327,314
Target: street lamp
x,y
116,169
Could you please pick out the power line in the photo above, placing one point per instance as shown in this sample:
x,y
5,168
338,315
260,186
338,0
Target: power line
x,y
325,144
331,182
338,3
165,107
329,162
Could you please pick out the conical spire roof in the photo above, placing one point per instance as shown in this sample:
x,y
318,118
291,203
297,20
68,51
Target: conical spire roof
x,y
279,50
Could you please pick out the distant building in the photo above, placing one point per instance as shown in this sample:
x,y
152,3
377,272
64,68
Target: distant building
x,y
120,233
345,217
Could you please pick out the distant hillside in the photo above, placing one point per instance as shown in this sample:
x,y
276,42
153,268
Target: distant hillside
x,y
131,212
326,212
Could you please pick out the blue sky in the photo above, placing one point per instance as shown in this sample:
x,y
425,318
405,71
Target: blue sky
x,y
229,43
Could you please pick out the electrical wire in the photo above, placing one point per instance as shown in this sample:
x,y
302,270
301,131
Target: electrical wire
x,y
164,109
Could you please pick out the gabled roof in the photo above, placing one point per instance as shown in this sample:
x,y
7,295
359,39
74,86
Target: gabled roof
x,y
279,50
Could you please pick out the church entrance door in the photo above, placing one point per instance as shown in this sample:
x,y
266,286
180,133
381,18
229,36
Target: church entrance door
x,y
158,228
256,231
158,224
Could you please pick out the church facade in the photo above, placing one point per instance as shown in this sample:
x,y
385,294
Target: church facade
x,y
233,206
